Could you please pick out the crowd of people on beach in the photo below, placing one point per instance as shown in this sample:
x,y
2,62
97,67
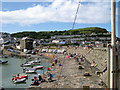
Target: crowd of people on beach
x,y
39,79
80,58
77,57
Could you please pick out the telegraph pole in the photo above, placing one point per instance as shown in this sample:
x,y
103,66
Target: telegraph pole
x,y
113,46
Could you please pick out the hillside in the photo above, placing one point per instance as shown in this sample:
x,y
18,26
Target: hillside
x,y
48,34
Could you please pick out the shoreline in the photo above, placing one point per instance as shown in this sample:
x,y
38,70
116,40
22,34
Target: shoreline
x,y
71,74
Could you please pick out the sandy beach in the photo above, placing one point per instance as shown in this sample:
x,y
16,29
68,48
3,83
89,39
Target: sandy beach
x,y
70,76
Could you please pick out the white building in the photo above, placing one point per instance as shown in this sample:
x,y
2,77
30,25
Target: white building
x,y
56,41
4,38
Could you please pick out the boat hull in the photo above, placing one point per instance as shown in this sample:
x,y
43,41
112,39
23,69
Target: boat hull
x,y
20,77
19,80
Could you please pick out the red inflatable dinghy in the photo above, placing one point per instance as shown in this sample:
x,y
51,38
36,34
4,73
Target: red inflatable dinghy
x,y
20,77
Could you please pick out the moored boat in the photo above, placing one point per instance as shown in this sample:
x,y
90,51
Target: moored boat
x,y
38,67
19,80
26,64
29,71
3,62
35,62
20,77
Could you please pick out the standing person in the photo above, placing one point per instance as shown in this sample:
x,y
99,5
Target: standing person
x,y
49,77
39,77
55,60
77,59
52,64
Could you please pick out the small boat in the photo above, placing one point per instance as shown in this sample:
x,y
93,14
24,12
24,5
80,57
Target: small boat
x,y
20,77
27,69
26,64
31,70
3,62
38,67
35,62
5,56
19,80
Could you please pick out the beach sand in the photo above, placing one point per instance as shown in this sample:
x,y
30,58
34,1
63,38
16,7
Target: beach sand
x,y
69,76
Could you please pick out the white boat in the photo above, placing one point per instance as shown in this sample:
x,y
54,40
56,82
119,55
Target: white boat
x,y
28,71
38,67
26,64
19,80
35,62
3,62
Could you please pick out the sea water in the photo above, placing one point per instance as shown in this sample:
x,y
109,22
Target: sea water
x,y
13,67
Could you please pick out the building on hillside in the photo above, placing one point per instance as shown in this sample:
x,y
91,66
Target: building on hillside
x,y
26,43
56,41
4,38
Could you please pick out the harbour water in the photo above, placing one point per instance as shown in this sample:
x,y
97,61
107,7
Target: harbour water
x,y
13,67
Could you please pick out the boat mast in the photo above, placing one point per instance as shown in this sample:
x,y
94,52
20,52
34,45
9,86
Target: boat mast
x,y
113,46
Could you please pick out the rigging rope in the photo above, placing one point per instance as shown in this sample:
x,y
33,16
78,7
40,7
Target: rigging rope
x,y
65,55
76,15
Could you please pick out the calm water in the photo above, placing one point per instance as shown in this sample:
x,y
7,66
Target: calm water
x,y
13,67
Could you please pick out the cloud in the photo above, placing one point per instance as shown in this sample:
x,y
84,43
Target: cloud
x,y
54,0
59,11
27,0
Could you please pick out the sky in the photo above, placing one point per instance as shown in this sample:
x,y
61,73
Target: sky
x,y
52,15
